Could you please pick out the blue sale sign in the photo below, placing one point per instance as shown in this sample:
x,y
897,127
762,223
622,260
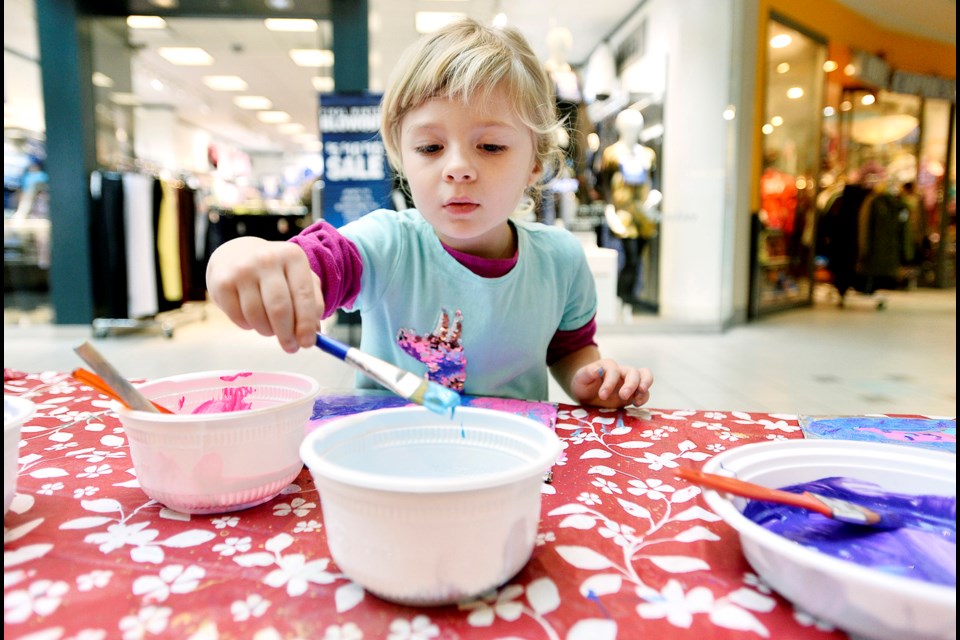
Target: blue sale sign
x,y
356,174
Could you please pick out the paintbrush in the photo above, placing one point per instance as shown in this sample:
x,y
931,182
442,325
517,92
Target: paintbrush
x,y
128,393
94,381
836,508
405,384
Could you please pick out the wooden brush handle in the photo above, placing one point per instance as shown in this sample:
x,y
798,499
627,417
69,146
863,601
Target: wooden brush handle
x,y
754,491
120,385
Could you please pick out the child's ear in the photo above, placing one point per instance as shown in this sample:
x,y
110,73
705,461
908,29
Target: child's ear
x,y
535,174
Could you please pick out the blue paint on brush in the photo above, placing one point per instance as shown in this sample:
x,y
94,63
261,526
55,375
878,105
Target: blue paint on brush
x,y
405,384
440,399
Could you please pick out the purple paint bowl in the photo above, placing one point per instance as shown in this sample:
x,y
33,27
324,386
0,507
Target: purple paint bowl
x,y
861,600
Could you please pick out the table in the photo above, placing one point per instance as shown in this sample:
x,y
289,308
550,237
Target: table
x,y
625,550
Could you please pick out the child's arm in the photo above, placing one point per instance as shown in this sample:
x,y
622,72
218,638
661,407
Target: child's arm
x,y
267,286
284,288
590,379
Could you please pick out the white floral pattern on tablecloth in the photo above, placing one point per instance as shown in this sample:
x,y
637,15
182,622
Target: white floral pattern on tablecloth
x,y
625,550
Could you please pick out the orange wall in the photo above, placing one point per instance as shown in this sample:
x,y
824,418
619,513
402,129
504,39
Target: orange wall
x,y
843,28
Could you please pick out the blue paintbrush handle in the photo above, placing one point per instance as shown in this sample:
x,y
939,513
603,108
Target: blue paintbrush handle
x,y
333,347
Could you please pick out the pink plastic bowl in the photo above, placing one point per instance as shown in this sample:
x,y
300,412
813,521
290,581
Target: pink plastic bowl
x,y
219,462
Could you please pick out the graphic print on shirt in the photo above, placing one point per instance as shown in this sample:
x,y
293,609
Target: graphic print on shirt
x,y
441,351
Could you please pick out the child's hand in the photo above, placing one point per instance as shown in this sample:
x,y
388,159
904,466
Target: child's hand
x,y
604,383
267,286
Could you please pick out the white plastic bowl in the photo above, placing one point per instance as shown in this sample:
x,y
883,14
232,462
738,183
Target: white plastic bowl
x,y
860,600
425,509
16,411
219,462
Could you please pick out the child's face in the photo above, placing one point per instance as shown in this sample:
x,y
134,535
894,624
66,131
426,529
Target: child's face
x,y
467,166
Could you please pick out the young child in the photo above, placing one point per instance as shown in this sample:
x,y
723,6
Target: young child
x,y
453,288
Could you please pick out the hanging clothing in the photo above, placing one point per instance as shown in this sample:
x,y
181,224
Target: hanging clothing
x,y
778,198
883,241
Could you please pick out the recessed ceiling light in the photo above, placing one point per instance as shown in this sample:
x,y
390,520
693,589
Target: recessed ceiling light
x,y
306,138
225,83
126,99
165,4
781,40
101,80
303,25
312,57
253,102
290,128
273,117
146,22
430,21
186,56
322,84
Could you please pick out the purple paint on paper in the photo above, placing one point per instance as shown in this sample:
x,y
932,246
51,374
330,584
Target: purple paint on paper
x,y
927,433
328,407
923,548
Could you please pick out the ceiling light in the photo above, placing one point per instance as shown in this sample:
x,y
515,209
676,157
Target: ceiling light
x,y
776,121
290,128
430,21
868,99
186,56
126,99
322,84
830,66
500,20
780,41
273,117
225,83
255,103
312,57
794,93
304,25
306,137
767,129
165,4
146,22
101,80
783,67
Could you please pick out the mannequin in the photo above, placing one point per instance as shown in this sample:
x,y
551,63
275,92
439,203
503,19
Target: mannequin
x,y
626,181
569,96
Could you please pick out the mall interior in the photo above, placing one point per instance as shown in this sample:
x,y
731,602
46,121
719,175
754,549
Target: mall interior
x,y
770,183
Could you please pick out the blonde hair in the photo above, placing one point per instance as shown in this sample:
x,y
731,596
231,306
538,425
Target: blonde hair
x,y
466,61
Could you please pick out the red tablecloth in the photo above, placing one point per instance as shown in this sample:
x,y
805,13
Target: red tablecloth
x,y
625,549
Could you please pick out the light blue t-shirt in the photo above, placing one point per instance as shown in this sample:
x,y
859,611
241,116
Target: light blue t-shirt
x,y
426,313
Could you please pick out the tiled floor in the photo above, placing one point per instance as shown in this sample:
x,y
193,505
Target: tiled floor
x,y
818,360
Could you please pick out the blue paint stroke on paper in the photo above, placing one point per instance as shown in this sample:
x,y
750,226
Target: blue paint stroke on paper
x,y
927,433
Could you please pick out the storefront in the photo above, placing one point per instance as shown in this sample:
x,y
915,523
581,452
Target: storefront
x,y
742,170
856,187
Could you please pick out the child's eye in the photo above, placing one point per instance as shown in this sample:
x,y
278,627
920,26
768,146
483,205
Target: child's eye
x,y
428,149
493,148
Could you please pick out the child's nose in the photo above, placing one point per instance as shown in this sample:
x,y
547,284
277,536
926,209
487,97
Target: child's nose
x,y
458,167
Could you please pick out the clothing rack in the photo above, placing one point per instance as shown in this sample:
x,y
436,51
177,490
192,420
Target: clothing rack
x,y
166,321
147,270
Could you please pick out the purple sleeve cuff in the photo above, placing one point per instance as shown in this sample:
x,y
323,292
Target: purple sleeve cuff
x,y
566,342
336,260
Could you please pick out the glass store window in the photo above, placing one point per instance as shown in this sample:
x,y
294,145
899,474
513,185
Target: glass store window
x,y
898,168
784,229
